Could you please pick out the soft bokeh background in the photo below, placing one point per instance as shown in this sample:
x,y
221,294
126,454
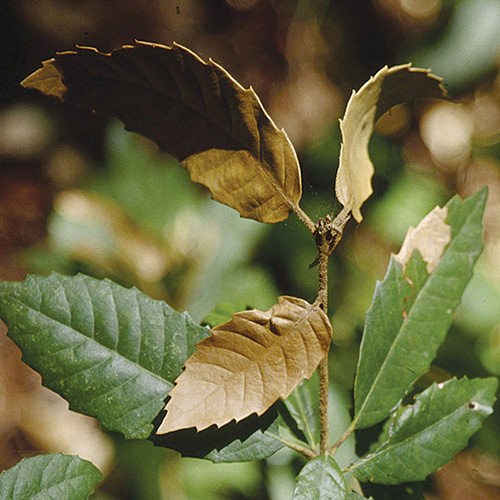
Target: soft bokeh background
x,y
78,194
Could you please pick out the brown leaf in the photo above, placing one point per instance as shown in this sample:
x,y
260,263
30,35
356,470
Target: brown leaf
x,y
193,110
389,87
247,364
430,238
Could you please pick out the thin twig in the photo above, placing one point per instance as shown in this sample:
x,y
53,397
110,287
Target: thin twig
x,y
305,219
342,438
307,452
327,235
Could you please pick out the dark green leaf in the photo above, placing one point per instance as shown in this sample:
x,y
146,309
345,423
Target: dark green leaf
x,y
320,479
49,477
249,439
411,313
112,352
427,434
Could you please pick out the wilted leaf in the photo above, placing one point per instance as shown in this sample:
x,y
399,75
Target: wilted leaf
x,y
427,434
247,364
49,476
411,313
112,353
389,87
320,479
193,110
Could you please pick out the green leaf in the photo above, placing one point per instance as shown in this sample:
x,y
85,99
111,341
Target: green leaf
x,y
427,434
249,439
112,352
49,477
303,405
411,313
355,496
320,479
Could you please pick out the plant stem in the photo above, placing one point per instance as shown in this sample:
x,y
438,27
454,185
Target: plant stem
x,y
308,453
327,234
323,365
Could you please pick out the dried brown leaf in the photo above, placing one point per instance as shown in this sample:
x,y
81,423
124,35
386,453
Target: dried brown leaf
x,y
193,110
389,87
247,364
430,238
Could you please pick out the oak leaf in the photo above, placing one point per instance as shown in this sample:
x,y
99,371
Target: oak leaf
x,y
389,87
247,364
192,109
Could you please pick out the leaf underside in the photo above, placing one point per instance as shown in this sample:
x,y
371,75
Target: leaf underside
x,y
247,364
193,110
112,353
411,313
388,88
426,435
54,476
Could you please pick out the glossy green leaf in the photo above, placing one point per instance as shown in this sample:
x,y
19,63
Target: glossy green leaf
x,y
320,479
112,352
427,434
411,313
49,477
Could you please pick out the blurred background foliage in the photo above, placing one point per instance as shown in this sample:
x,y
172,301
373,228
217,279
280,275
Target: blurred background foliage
x,y
79,194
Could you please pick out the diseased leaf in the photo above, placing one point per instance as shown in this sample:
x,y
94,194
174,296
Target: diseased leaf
x,y
411,313
247,364
320,479
427,434
389,87
47,477
429,238
193,110
112,353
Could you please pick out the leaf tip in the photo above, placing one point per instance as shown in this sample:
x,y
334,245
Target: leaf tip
x,y
47,79
430,238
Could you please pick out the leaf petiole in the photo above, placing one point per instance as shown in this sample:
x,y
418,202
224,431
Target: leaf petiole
x,y
303,450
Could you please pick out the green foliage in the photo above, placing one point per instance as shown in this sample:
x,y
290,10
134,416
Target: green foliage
x,y
113,353
320,479
411,313
426,435
49,477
